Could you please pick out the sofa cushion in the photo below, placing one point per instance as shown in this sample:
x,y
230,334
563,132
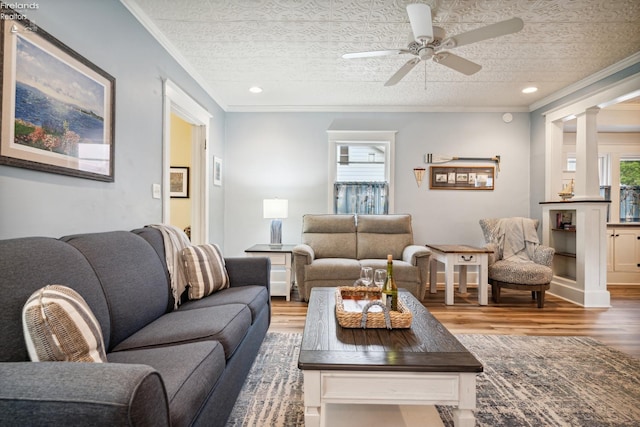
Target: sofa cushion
x,y
136,287
380,235
255,297
205,270
330,236
189,372
226,323
27,264
60,327
333,269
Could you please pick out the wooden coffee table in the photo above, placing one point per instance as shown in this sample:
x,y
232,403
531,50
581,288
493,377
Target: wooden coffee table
x,y
422,365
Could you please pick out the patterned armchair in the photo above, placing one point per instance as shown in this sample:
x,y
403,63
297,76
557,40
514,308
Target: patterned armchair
x,y
517,260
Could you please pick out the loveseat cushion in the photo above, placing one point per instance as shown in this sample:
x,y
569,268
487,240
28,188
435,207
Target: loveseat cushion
x,y
254,297
226,323
380,235
189,372
402,271
333,269
330,236
59,326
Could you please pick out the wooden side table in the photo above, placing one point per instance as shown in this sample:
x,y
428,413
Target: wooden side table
x,y
281,259
462,256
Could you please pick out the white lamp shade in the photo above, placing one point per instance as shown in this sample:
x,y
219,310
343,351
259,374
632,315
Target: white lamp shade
x,y
276,208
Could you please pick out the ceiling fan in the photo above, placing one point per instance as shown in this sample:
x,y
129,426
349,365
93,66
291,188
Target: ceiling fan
x,y
428,42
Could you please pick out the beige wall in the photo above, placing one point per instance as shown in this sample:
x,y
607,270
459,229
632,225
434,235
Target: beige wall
x,y
181,156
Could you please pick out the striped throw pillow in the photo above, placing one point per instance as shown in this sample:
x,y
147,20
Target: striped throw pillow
x,y
205,270
59,326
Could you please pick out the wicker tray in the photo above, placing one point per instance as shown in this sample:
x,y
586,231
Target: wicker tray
x,y
352,319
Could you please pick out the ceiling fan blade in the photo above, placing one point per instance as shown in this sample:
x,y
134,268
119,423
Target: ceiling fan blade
x,y
457,63
403,71
374,53
498,29
420,19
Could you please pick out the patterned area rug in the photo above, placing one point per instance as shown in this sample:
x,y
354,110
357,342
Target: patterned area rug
x,y
527,381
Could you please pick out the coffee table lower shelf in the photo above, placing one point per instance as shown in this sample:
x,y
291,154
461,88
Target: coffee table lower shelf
x,y
353,415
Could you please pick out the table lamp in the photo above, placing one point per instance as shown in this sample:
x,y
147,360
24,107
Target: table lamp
x,y
276,209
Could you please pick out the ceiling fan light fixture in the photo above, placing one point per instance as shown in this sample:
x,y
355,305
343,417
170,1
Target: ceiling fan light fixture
x,y
530,89
255,89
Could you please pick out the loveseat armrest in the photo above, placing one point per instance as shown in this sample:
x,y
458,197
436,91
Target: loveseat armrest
x,y
245,271
303,255
81,394
543,255
413,254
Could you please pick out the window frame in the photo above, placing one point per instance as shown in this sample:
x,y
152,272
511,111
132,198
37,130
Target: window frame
x,y
386,138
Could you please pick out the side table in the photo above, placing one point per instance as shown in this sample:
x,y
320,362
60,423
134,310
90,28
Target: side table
x,y
281,257
462,256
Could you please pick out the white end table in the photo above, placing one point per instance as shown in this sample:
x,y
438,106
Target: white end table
x,y
462,256
281,258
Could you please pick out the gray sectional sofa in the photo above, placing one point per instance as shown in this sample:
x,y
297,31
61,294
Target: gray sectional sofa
x,y
335,247
165,367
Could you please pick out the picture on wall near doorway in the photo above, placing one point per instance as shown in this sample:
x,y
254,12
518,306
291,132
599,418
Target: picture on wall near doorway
x,y
217,171
461,178
57,107
179,182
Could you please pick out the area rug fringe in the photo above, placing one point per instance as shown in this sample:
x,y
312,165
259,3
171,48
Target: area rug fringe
x,y
527,381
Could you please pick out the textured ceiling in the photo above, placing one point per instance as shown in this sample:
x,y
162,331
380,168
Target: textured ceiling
x,y
292,49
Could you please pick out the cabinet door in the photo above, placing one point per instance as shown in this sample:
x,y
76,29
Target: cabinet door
x,y
627,250
611,241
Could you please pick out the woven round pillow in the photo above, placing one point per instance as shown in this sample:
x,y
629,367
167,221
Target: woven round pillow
x,y
59,326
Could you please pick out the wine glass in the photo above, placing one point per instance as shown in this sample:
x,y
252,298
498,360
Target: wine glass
x,y
366,276
379,276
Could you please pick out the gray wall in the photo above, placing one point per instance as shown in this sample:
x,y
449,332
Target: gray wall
x,y
104,32
285,155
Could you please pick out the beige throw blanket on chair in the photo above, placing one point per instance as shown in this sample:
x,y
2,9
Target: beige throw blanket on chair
x,y
517,239
175,240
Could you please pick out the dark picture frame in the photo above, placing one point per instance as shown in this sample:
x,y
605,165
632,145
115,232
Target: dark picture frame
x,y
58,108
462,177
179,182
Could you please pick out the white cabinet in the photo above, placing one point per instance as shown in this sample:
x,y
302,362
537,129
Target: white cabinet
x,y
623,254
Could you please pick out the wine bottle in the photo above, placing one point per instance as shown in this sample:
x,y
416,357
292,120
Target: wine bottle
x,y
390,290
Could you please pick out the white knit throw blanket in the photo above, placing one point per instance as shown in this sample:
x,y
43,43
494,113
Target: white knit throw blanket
x,y
175,240
517,239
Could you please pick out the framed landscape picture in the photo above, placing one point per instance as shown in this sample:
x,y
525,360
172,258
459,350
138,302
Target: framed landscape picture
x,y
461,178
57,107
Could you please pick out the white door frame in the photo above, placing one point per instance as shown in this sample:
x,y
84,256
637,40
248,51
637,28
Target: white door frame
x,y
177,101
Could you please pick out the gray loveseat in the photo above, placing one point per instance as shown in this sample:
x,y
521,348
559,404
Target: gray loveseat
x,y
165,367
335,247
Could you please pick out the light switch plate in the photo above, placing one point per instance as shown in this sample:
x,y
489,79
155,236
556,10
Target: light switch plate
x,y
156,191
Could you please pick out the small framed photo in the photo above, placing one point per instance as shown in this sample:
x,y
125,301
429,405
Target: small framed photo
x,y
217,171
461,178
179,182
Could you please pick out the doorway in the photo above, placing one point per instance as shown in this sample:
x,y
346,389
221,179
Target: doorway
x,y
191,123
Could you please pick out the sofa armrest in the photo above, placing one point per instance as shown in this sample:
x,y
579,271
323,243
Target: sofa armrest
x,y
303,255
413,253
75,394
245,271
543,255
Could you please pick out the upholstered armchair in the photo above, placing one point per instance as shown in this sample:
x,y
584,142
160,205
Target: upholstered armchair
x,y
518,260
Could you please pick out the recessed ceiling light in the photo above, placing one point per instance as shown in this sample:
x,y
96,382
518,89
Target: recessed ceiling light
x,y
530,89
255,89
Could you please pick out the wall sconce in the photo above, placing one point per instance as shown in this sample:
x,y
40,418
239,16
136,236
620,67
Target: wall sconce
x,y
276,210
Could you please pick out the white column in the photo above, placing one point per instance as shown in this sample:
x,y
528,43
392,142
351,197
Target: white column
x,y
553,159
587,184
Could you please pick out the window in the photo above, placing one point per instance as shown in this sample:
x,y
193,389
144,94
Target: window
x,y
361,167
629,189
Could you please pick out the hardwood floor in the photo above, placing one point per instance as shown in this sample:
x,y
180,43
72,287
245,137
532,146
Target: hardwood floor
x,y
617,326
